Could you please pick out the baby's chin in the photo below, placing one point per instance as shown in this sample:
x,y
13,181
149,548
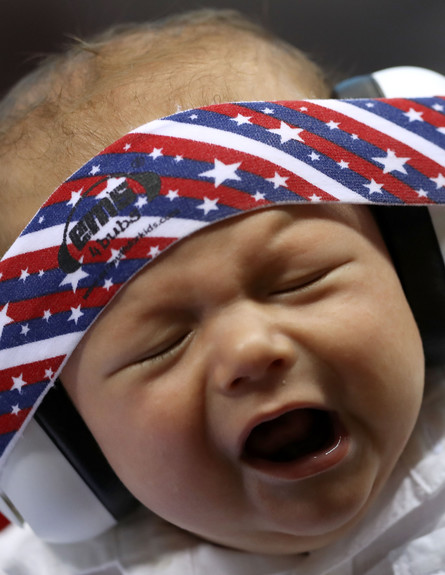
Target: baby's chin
x,y
291,537
282,543
277,544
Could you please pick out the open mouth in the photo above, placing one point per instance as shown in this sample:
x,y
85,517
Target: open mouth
x,y
308,440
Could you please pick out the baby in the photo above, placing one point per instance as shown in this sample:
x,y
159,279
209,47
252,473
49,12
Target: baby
x,y
244,408
257,384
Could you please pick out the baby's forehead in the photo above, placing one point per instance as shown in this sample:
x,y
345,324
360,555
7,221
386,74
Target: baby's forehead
x,y
260,241
261,225
258,228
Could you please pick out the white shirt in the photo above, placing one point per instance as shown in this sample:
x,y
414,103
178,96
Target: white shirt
x,y
403,533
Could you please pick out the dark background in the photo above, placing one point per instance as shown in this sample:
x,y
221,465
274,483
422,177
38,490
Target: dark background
x,y
346,36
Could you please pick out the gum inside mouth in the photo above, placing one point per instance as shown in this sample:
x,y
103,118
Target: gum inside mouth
x,y
291,436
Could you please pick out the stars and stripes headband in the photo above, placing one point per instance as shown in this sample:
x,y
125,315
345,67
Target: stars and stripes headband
x,y
174,176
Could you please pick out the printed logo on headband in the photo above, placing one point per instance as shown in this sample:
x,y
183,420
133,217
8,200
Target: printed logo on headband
x,y
113,211
174,176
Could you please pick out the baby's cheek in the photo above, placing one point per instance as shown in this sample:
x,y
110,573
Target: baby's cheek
x,y
376,347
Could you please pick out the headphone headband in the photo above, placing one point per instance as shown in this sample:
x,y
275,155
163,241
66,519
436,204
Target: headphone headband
x,y
171,177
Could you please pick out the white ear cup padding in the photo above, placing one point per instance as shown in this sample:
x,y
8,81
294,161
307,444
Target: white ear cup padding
x,y
409,81
65,510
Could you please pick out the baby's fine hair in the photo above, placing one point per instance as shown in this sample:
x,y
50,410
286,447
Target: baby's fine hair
x,y
77,102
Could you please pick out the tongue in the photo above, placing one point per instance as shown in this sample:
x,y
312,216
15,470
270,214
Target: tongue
x,y
289,436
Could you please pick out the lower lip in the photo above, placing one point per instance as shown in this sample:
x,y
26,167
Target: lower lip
x,y
309,465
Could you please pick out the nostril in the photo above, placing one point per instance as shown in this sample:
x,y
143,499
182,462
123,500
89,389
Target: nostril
x,y
237,381
258,374
277,364
255,374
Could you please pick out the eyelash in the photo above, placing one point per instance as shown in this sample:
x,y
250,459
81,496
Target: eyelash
x,y
167,351
302,284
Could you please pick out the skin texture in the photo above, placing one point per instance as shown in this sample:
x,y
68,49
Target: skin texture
x,y
281,309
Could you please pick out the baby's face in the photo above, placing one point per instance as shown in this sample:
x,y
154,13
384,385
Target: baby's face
x,y
257,384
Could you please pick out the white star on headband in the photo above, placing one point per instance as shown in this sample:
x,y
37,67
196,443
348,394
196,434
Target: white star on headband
x,y
75,197
287,133
18,383
94,170
49,373
154,251
208,205
258,196
439,181
15,409
278,180
392,163
74,278
4,318
25,329
24,274
240,119
156,153
414,115
374,187
222,172
76,313
116,256
142,201
172,194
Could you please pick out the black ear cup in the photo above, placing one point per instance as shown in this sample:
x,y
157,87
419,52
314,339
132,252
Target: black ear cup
x,y
58,481
358,87
60,420
412,243
409,233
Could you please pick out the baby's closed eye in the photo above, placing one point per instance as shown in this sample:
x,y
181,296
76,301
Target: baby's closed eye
x,y
167,348
299,283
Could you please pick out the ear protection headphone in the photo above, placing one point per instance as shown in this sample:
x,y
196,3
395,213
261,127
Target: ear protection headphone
x,y
415,237
56,478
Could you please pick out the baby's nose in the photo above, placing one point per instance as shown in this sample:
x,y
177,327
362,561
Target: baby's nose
x,y
250,347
